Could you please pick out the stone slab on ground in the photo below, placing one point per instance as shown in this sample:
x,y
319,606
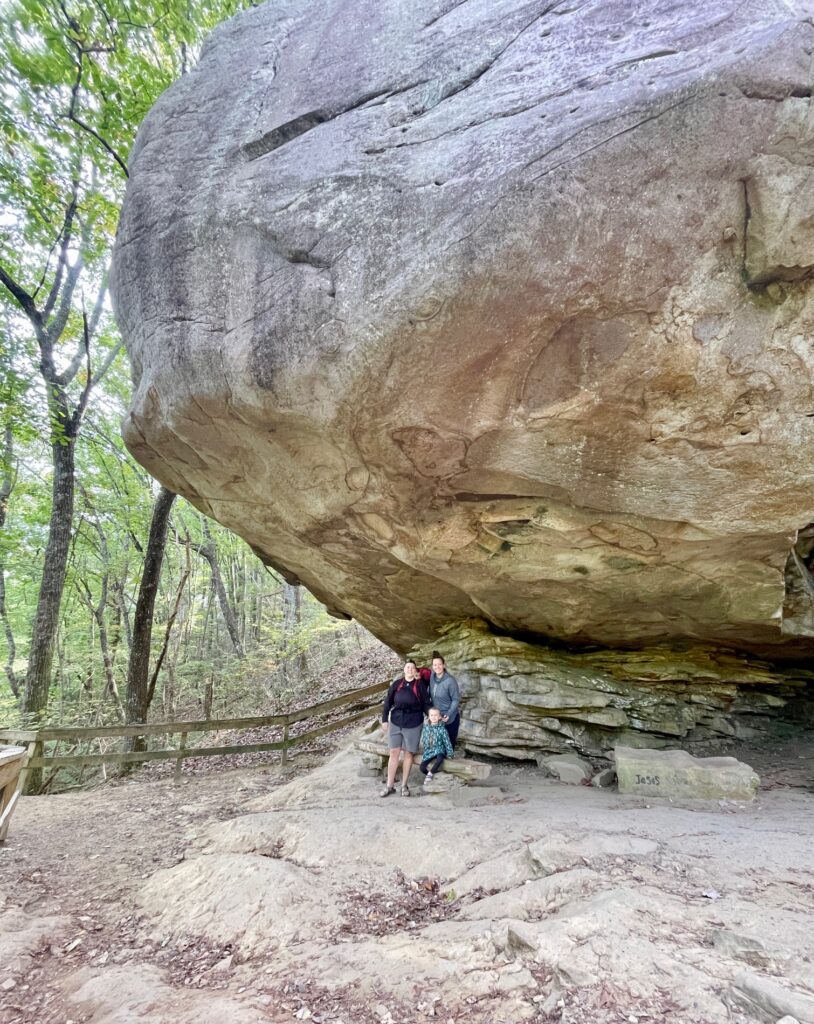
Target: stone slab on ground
x,y
142,993
252,901
569,768
23,935
770,999
461,767
677,774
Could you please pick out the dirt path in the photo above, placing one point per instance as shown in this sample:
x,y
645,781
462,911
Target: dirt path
x,y
75,861
252,897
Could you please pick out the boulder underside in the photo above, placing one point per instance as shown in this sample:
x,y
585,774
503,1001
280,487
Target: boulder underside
x,y
497,311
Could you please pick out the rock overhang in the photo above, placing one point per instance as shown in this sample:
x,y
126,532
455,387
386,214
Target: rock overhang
x,y
501,311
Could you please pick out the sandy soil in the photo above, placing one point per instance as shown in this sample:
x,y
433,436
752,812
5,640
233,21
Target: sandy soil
x,y
251,896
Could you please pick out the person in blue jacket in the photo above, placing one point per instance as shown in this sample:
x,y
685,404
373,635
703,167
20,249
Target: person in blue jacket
x,y
435,744
445,695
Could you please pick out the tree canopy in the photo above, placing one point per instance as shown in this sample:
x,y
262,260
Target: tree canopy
x,y
76,79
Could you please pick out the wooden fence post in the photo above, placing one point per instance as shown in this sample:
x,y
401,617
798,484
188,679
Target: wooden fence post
x,y
181,747
284,751
34,750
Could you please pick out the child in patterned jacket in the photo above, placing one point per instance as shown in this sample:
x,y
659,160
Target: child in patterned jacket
x,y
435,744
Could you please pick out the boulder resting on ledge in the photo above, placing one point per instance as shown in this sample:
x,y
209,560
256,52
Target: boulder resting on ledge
x,y
491,309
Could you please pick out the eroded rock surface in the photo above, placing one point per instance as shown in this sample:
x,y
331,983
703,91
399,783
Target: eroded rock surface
x,y
494,309
547,893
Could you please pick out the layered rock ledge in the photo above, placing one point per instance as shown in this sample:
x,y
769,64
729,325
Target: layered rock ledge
x,y
491,309
521,699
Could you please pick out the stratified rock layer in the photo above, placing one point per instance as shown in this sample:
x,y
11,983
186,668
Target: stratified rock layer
x,y
521,699
495,308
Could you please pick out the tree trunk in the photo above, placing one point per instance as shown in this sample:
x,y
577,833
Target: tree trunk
x,y
124,618
203,637
98,611
295,664
137,702
6,487
46,620
209,552
209,695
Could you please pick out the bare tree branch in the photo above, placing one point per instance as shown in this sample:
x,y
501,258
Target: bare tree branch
x,y
24,300
81,405
65,239
57,325
170,622
102,142
111,357
98,306
72,369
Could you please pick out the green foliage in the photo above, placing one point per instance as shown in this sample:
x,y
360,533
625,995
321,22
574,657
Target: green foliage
x,y
76,79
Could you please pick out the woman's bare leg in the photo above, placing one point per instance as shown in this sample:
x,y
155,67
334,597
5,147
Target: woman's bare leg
x,y
408,764
392,766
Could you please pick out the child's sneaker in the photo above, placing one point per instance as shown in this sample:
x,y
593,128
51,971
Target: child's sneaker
x,y
428,778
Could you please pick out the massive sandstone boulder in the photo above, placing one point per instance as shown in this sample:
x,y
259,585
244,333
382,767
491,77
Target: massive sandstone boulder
x,y
491,309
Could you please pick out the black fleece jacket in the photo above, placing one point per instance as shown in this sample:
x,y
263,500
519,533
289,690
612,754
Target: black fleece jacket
x,y
408,710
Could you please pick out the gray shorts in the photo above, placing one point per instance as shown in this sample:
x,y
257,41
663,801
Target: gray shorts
x,y
407,739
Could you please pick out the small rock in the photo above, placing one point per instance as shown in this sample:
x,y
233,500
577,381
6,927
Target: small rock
x,y
737,945
568,768
551,1003
222,965
8,984
604,778
788,1020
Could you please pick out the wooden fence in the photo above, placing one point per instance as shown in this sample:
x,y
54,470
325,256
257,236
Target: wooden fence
x,y
36,739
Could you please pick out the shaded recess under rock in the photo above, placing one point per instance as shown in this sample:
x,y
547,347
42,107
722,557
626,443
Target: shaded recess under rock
x,y
520,699
498,310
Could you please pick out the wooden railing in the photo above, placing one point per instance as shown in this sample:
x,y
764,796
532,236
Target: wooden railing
x,y
35,739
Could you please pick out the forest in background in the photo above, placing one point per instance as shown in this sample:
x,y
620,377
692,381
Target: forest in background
x,y
115,596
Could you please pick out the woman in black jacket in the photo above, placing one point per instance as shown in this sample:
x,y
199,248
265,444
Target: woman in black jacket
x,y
406,704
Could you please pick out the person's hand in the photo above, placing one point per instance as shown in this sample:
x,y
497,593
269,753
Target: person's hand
x,y
445,718
384,726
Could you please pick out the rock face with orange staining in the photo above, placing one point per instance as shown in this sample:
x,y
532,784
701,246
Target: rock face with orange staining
x,y
496,310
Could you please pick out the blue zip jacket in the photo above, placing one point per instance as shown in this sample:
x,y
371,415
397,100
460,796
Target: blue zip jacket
x,y
435,741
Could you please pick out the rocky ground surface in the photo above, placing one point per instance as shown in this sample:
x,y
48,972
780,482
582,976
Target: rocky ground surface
x,y
257,896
